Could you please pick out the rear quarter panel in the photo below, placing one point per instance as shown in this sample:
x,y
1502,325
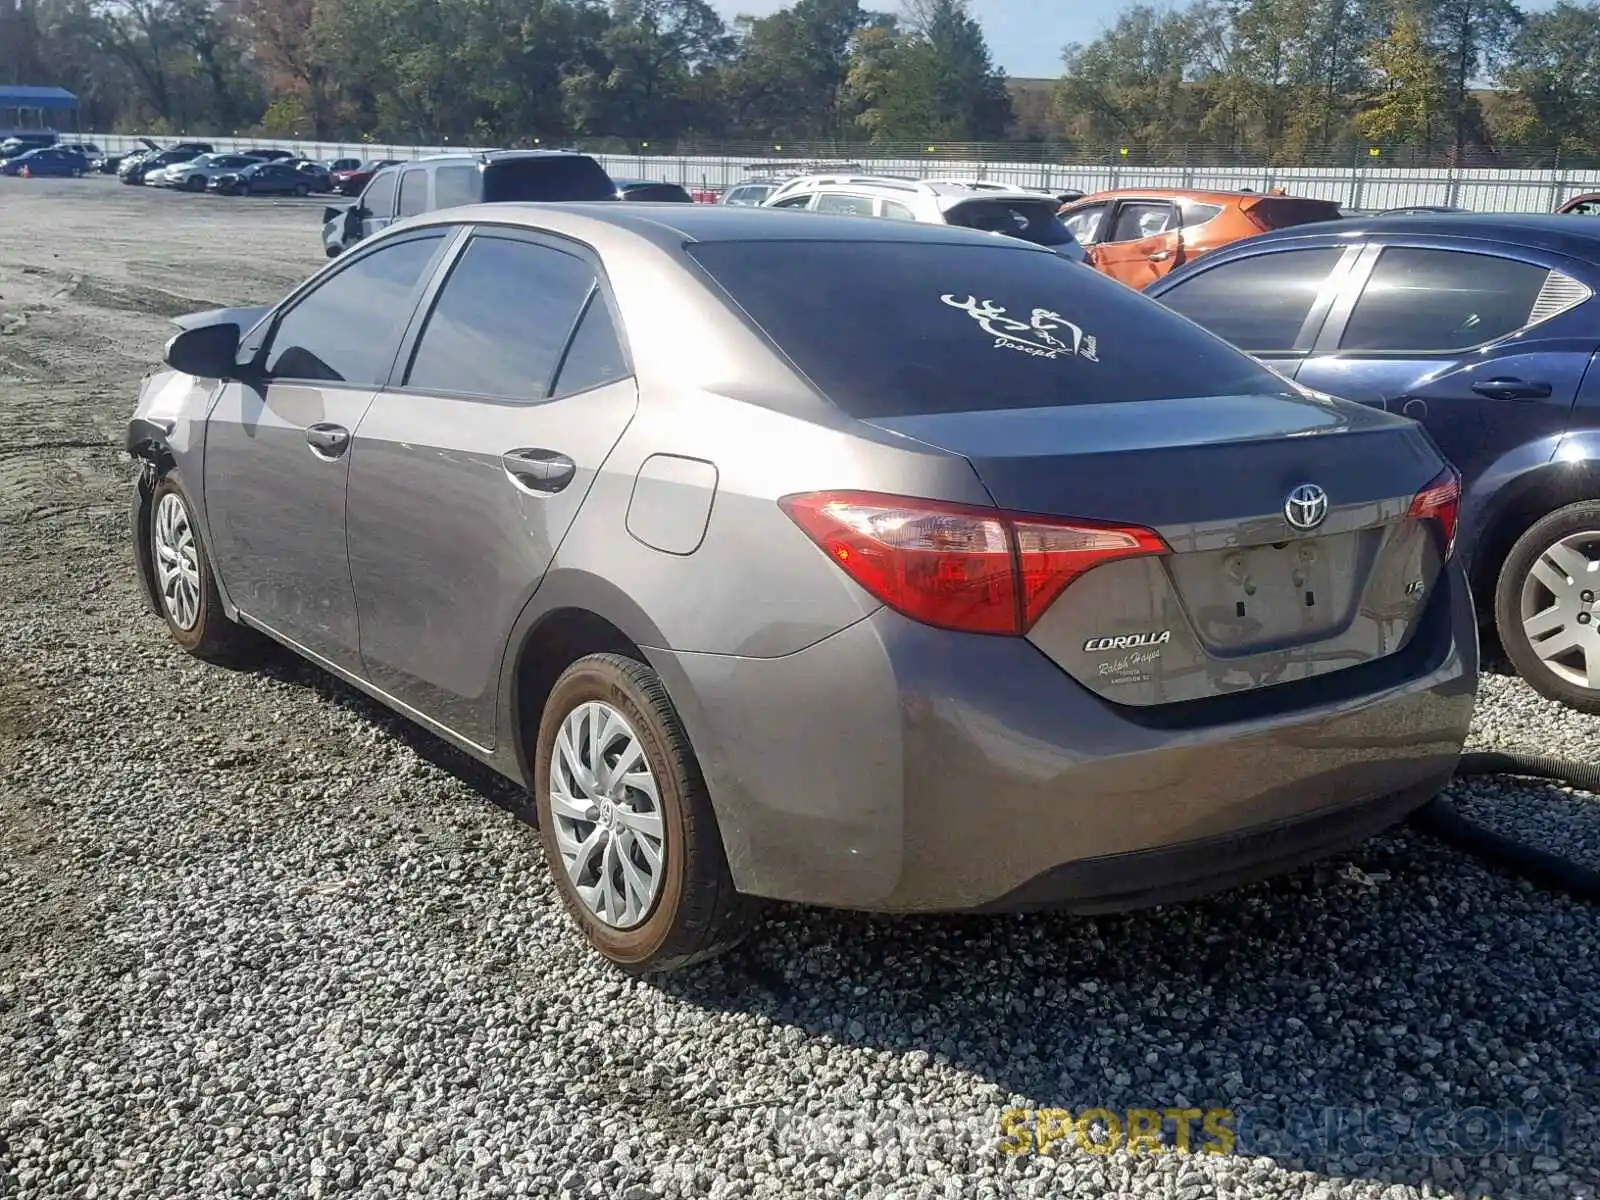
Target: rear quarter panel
x,y
711,390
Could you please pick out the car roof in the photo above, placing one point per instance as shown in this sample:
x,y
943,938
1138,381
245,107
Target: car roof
x,y
1208,195
1546,231
893,184
490,157
609,225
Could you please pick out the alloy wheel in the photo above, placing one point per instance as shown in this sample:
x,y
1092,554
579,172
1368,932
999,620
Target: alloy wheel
x,y
607,811
177,564
1559,610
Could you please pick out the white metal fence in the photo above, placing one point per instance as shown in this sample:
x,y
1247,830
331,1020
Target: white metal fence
x,y
1493,190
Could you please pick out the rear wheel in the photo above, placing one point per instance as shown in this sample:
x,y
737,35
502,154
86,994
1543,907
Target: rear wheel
x,y
627,823
1547,606
186,587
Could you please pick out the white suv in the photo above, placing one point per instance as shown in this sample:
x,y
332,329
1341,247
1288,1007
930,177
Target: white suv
x,y
1011,212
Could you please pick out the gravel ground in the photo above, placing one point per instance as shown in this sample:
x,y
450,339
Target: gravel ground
x,y
265,939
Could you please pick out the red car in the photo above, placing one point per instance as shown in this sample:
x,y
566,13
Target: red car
x,y
350,183
1586,205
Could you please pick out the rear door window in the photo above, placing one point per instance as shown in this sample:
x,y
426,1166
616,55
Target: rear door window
x,y
595,356
896,211
378,199
1257,303
1196,214
501,320
1436,300
926,328
843,202
455,184
414,191
1139,219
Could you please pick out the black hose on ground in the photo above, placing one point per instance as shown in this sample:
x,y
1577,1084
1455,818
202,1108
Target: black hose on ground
x,y
1445,821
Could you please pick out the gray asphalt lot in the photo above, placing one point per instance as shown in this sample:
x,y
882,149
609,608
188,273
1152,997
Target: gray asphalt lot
x,y
263,939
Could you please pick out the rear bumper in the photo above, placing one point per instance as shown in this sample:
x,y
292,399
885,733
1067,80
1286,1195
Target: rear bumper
x,y
894,767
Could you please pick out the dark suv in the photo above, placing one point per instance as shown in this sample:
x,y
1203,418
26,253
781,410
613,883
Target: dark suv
x,y
448,180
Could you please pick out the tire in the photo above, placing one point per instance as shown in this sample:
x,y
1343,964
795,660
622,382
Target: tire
x,y
208,633
1565,663
196,183
301,189
244,190
691,911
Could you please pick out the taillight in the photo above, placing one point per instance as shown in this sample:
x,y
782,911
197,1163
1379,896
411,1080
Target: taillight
x,y
1441,501
957,566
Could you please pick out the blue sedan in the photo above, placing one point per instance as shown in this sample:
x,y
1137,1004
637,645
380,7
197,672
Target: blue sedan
x,y
1485,328
48,160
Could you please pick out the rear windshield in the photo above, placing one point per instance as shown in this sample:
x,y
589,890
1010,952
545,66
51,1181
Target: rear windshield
x,y
571,177
1280,212
1031,220
889,329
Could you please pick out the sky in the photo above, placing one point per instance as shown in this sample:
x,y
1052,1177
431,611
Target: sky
x,y
1024,39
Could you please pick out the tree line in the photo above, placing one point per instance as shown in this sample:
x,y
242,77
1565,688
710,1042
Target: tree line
x,y
1464,81
1218,80
509,71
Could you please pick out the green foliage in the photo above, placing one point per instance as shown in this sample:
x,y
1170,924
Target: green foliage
x,y
1214,80
1408,93
1553,68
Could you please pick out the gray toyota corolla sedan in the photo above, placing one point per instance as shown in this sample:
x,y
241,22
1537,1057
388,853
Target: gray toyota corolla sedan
x,y
831,559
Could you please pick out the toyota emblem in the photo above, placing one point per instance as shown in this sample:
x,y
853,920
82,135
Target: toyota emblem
x,y
1306,506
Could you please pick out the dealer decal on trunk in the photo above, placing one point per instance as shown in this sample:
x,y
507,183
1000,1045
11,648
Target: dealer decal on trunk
x,y
1036,336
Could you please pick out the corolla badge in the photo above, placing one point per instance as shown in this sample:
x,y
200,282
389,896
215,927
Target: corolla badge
x,y
1306,506
1037,336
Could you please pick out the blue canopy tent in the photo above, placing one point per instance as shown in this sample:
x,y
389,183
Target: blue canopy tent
x,y
23,109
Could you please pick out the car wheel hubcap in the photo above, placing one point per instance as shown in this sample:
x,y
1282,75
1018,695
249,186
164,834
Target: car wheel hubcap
x,y
607,812
177,566
1559,609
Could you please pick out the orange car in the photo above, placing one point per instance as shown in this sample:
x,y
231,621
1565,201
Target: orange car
x,y
1137,235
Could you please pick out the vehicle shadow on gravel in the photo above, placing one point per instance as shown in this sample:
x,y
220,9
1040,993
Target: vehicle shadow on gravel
x,y
1358,1019
273,662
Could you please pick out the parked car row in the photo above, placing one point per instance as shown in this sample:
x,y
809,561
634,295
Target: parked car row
x,y
196,167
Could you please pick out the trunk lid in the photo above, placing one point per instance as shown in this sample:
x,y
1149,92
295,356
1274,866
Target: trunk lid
x,y
1245,599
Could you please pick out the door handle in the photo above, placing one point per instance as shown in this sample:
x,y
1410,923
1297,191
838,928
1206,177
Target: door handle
x,y
544,471
1160,256
1512,389
326,440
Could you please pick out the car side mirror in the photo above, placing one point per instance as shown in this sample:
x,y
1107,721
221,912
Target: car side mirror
x,y
207,351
